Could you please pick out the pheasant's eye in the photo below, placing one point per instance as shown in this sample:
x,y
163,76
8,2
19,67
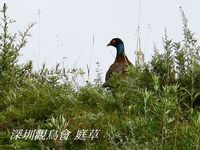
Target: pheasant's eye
x,y
113,42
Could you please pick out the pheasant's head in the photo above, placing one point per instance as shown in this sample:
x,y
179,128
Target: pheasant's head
x,y
118,44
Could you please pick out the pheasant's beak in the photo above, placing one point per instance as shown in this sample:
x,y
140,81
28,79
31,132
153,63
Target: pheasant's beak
x,y
109,44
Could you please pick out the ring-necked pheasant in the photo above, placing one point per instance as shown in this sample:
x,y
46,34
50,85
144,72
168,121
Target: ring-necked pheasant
x,y
121,61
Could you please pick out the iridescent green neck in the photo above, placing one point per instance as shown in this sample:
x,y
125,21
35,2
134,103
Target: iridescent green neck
x,y
120,48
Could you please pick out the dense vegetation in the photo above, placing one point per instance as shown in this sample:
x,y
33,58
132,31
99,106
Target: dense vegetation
x,y
155,107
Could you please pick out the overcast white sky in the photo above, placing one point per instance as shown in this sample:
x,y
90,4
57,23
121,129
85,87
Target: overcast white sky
x,y
67,28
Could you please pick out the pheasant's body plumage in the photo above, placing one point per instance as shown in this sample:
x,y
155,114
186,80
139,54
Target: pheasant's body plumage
x,y
121,61
119,66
